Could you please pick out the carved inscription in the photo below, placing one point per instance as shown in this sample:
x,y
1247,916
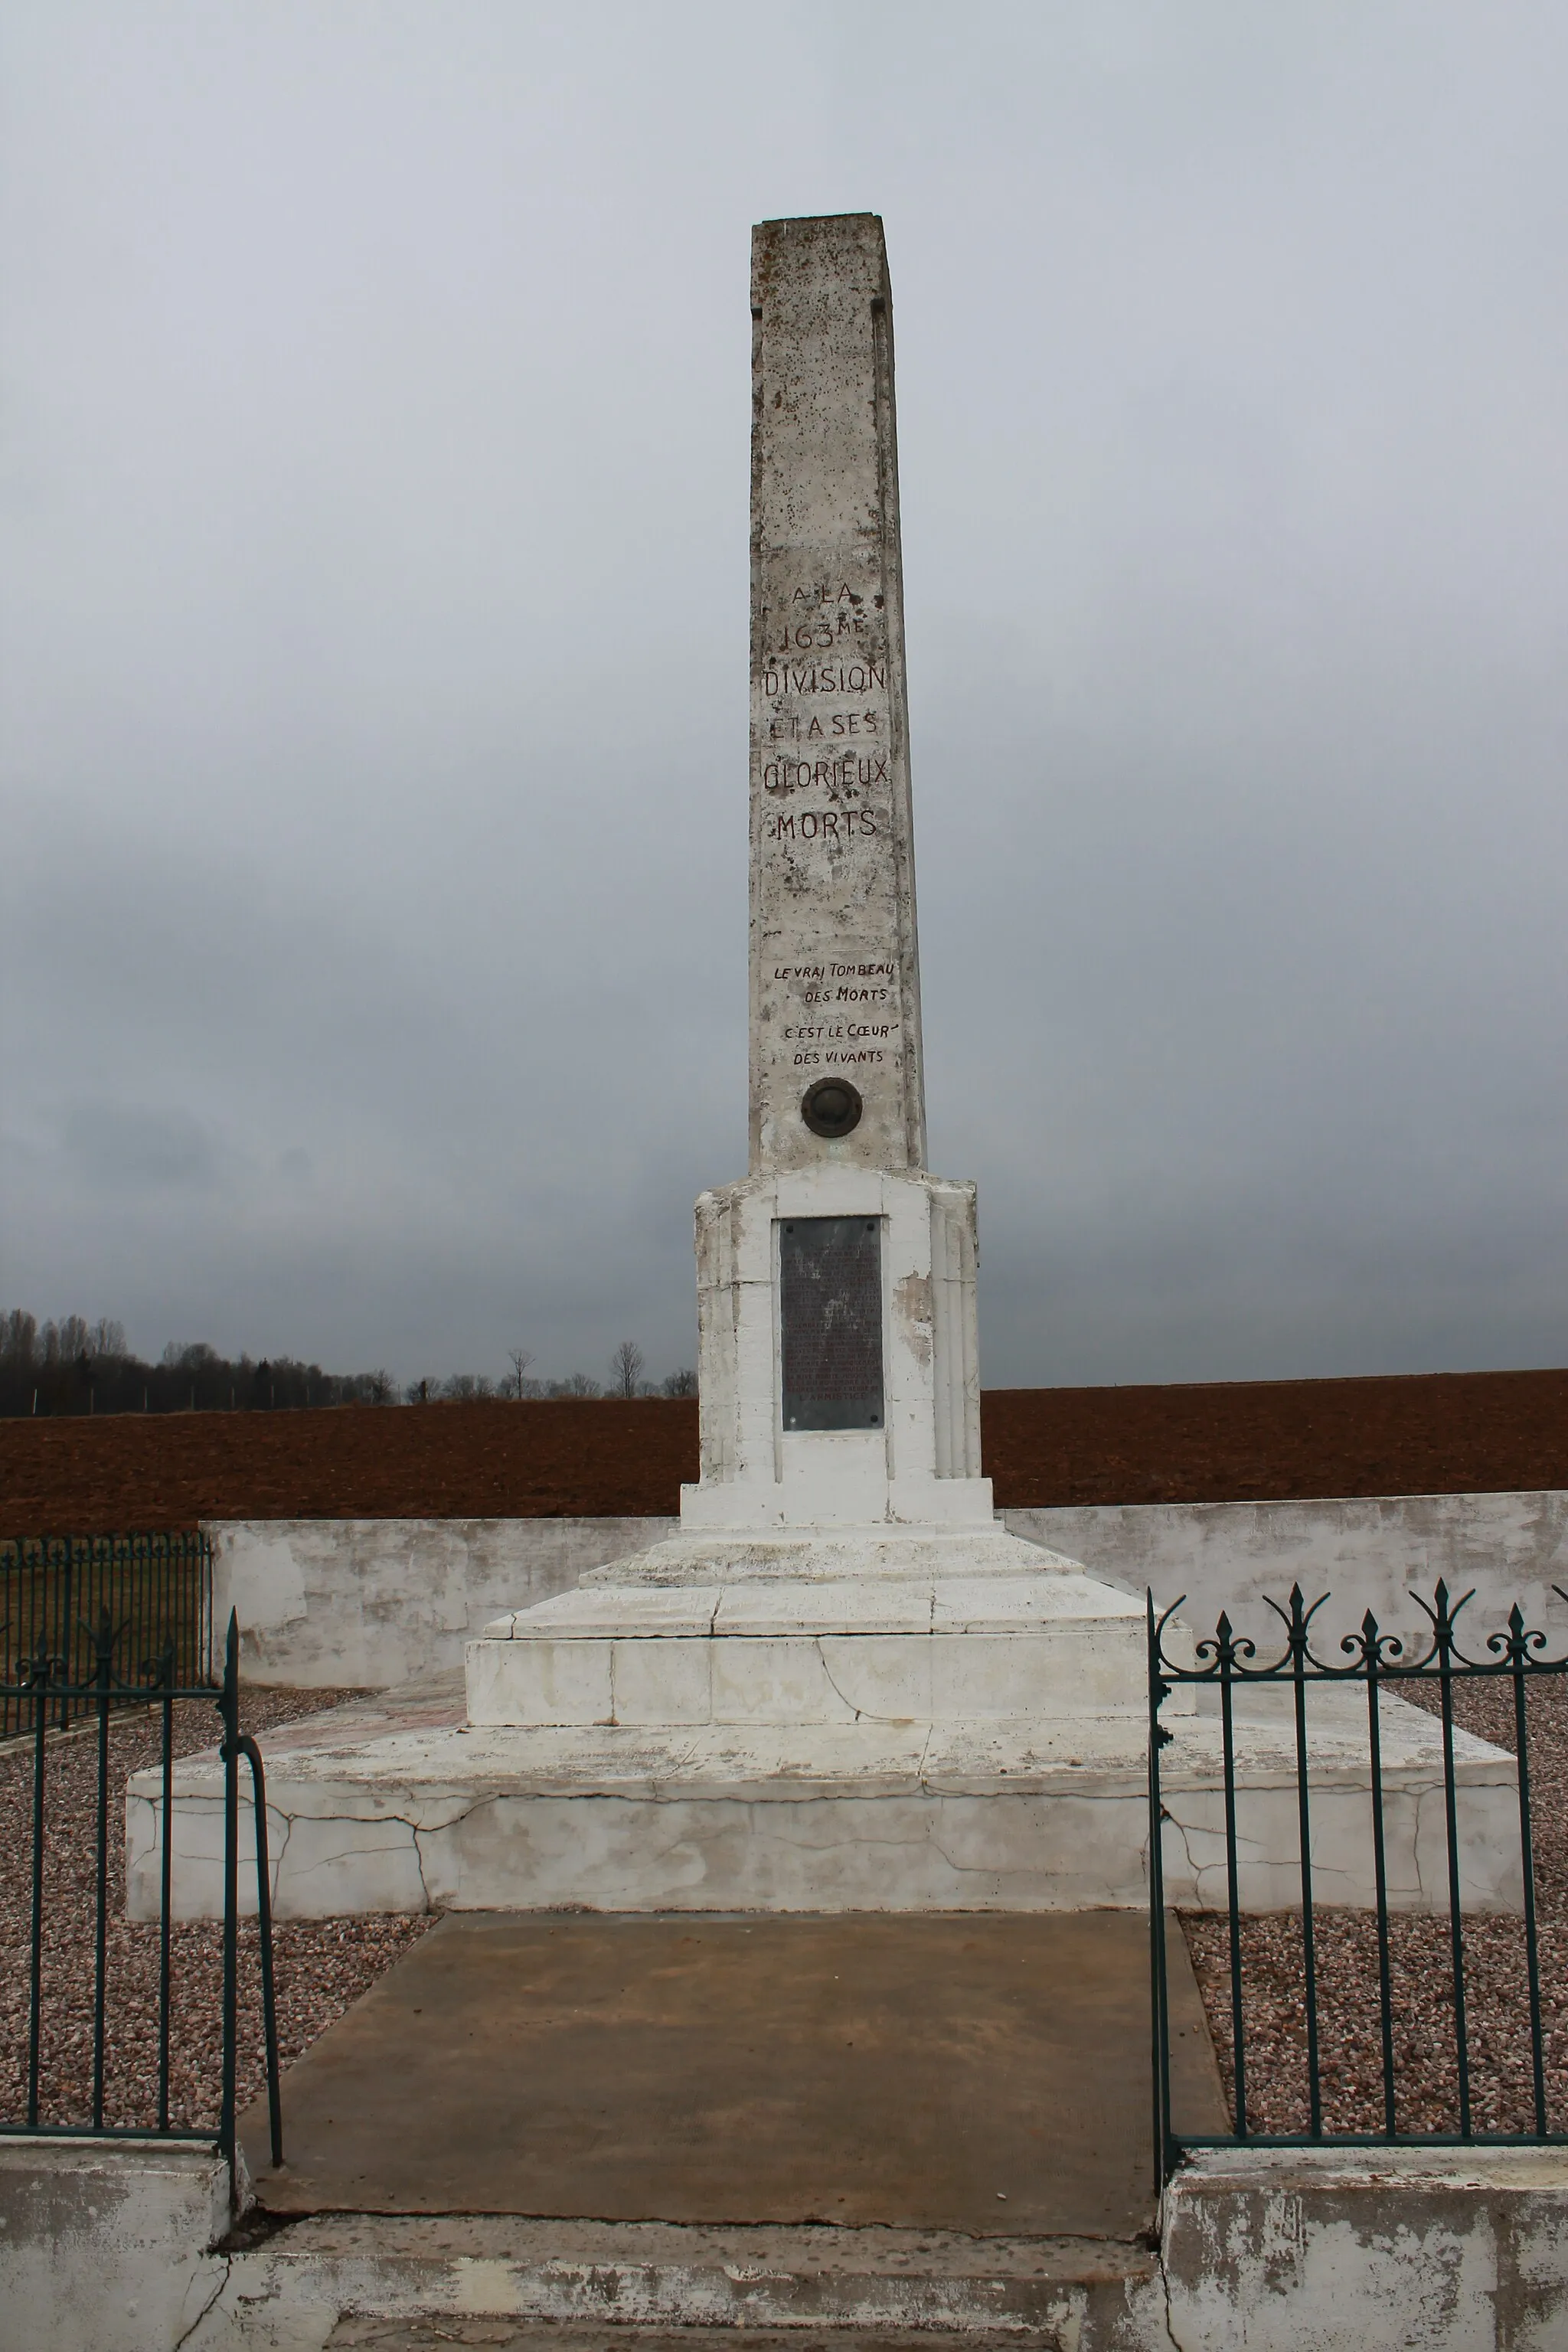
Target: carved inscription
x,y
823,731
845,775
836,754
825,677
820,825
832,616
840,1014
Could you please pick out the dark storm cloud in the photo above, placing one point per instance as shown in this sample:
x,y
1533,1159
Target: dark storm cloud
x,y
374,507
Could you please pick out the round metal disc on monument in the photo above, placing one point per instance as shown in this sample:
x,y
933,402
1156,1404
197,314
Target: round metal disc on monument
x,y
831,1108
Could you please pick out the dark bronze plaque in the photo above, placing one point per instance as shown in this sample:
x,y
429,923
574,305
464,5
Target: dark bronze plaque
x,y
830,1310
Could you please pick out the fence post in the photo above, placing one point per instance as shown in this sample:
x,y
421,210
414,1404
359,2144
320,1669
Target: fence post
x,y
104,1641
228,1707
1299,1615
67,1644
1159,1982
42,1665
264,1934
166,1883
1444,1620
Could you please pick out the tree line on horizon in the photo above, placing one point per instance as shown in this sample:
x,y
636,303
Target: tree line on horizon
x,y
73,1365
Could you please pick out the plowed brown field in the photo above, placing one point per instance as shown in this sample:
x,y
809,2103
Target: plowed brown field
x,y
1449,1432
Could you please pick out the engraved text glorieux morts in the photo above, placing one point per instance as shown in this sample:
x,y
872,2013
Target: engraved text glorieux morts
x,y
835,973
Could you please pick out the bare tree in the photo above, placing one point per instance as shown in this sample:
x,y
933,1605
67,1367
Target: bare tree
x,y
681,1383
575,1385
520,1359
626,1368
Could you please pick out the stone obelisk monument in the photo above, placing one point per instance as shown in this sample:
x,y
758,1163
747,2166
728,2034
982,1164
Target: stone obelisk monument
x,y
836,1014
838,1374
837,1359
840,1601
841,1683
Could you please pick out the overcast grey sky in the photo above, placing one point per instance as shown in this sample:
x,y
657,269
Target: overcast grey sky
x,y
374,481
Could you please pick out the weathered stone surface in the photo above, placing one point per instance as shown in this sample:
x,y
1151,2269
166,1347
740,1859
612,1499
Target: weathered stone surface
x,y
108,2243
834,978
1391,2250
328,1602
835,971
401,1811
921,1467
375,1600
908,1650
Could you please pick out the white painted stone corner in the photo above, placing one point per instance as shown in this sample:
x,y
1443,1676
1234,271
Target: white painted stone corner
x,y
1382,2250
109,2245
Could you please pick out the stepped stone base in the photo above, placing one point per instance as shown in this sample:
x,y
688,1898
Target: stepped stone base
x,y
401,1806
876,1718
804,1652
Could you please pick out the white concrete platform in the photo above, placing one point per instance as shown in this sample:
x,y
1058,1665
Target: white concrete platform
x,y
870,1552
401,1807
891,1650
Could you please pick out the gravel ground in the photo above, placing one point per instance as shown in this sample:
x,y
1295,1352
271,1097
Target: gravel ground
x,y
321,1965
1497,2005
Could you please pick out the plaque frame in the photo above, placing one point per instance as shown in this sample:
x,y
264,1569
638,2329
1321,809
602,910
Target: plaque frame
x,y
832,1371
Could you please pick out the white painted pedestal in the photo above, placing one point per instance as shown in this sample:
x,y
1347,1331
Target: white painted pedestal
x,y
901,1707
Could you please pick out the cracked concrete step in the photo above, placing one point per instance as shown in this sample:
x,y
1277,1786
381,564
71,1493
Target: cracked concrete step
x,y
793,1651
594,2286
395,1812
428,2335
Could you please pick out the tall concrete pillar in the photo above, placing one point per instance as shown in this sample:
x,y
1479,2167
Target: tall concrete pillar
x,y
835,965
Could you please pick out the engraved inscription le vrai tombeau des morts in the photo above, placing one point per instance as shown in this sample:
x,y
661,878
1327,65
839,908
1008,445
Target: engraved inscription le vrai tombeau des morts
x,y
833,965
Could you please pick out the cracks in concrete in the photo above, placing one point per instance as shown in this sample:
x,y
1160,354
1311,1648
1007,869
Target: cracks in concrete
x,y
185,2335
277,1852
842,1697
1195,1869
415,1833
1167,2316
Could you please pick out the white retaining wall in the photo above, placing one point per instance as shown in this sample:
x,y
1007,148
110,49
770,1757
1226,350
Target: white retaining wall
x,y
374,1601
1382,2250
1366,1550
370,1602
114,2248
106,2246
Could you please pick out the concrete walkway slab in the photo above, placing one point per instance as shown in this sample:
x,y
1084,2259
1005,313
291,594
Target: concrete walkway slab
x,y
957,2071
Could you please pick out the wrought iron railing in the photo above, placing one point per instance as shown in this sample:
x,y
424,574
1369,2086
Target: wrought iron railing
x,y
1432,1669
54,1590
80,2077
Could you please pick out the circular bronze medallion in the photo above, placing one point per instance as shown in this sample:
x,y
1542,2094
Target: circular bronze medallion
x,y
831,1108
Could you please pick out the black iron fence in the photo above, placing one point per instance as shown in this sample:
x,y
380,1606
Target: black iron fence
x,y
61,2080
1227,1674
55,1590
